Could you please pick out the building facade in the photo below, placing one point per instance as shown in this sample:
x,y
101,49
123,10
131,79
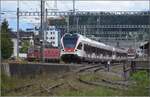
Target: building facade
x,y
14,40
51,36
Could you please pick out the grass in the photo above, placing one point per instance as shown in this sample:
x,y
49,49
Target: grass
x,y
99,76
141,86
89,77
97,91
9,83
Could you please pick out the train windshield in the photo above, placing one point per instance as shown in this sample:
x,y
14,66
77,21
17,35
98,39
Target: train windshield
x,y
70,41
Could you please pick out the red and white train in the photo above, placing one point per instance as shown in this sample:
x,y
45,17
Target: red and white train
x,y
77,48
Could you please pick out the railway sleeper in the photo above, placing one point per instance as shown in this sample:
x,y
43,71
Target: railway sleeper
x,y
102,84
45,89
72,87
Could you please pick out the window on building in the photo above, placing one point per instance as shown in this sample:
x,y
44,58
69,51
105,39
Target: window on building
x,y
52,42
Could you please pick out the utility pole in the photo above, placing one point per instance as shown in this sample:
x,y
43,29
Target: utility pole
x,y
74,17
67,20
77,23
74,7
46,20
42,29
98,23
18,37
55,5
44,33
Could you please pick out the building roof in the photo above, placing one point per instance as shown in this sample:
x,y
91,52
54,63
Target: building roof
x,y
13,35
21,34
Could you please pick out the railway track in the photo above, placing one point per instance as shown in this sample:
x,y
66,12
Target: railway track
x,y
47,88
105,83
94,68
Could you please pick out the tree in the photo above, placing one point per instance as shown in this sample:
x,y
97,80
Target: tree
x,y
25,45
6,43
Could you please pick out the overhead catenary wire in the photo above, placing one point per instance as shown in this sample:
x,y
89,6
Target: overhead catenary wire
x,y
62,2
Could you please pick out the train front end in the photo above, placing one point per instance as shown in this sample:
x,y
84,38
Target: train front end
x,y
69,52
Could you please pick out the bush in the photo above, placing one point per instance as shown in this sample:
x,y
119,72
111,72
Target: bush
x,y
141,86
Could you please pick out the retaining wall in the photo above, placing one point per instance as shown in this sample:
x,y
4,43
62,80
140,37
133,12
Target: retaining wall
x,y
33,69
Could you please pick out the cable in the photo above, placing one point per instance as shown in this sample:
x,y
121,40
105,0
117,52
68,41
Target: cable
x,y
65,4
8,11
27,3
48,5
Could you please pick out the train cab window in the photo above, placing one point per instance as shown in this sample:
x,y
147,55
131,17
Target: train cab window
x,y
79,46
70,41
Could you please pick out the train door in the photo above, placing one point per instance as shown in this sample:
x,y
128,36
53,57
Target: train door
x,y
114,54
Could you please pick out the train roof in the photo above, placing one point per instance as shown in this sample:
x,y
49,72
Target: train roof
x,y
95,43
100,44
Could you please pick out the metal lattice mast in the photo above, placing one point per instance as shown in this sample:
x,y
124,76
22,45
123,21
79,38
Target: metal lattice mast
x,y
55,4
74,6
18,37
42,29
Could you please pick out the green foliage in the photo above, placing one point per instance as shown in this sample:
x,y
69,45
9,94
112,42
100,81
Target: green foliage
x,y
90,77
9,83
97,91
141,86
6,43
6,83
25,45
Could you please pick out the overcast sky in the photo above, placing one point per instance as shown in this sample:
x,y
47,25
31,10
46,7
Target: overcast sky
x,y
28,22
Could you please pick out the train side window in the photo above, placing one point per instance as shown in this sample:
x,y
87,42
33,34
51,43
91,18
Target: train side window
x,y
79,46
86,47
